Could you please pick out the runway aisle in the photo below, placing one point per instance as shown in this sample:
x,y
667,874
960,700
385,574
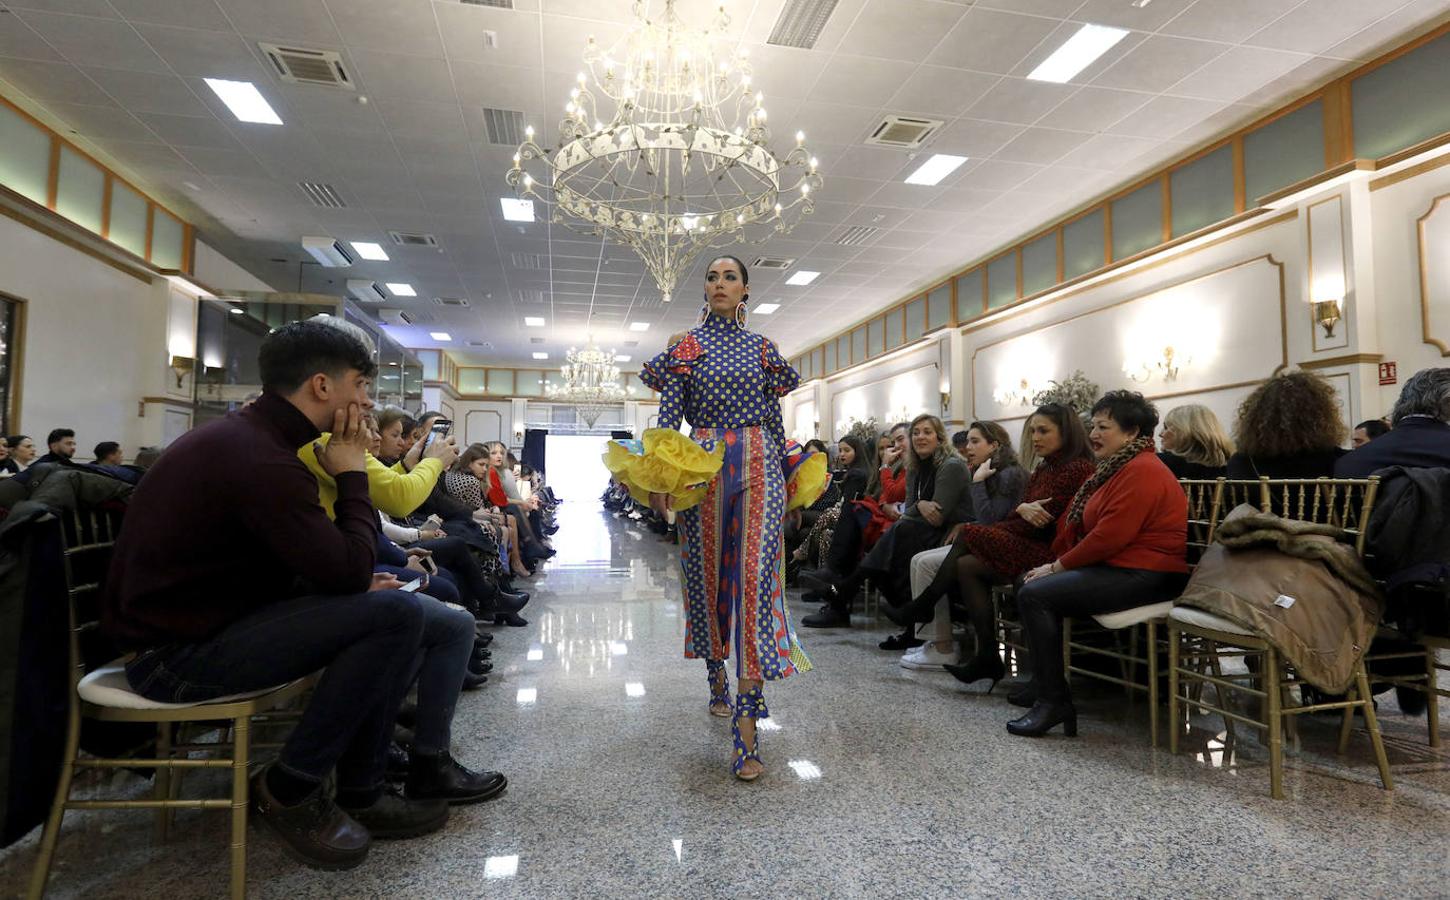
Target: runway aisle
x,y
881,782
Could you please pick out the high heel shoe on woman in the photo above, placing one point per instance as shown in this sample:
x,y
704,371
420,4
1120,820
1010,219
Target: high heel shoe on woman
x,y
719,688
748,705
977,668
1043,717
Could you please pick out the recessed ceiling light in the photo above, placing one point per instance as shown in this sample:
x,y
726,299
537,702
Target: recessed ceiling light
x,y
244,100
369,250
236,311
1077,53
935,169
765,309
534,321
621,358
440,335
399,289
538,355
516,210
802,277
639,326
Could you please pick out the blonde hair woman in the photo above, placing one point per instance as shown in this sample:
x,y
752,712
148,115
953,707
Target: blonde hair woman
x,y
1194,443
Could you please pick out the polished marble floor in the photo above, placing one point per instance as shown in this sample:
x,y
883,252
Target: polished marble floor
x,y
882,782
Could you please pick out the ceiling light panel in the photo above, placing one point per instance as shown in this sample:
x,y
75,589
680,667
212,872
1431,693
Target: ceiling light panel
x,y
244,100
369,250
534,321
639,326
802,278
516,210
538,355
401,289
1077,53
440,335
801,22
935,169
765,309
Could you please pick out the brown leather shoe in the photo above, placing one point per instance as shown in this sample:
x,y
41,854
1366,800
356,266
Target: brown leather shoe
x,y
315,832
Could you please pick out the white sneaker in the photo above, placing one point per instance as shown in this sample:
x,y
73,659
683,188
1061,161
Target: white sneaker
x,y
927,657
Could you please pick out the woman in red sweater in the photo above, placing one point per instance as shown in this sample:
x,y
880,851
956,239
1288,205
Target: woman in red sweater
x,y
1121,544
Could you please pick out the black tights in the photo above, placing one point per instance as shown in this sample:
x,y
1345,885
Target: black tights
x,y
974,580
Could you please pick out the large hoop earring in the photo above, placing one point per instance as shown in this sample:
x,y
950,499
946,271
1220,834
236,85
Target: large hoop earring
x,y
740,316
704,313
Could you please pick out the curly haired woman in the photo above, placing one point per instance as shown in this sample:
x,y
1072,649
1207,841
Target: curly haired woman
x,y
1289,427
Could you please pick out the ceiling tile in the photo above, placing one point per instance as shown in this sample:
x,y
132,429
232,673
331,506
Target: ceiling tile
x,y
462,26
400,27
404,77
503,87
859,80
899,29
1157,63
1237,72
423,120
1229,21
210,54
102,122
941,91
877,163
974,138
964,199
191,131
785,71
149,92
292,22
1093,109
1120,14
1317,26
831,123
990,41
997,175
98,8
1164,117
1019,100
1067,181
1057,9
1390,32
223,162
184,13
94,42
1041,145
53,82
19,41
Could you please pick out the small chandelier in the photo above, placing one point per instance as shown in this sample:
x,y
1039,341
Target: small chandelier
x,y
679,161
590,382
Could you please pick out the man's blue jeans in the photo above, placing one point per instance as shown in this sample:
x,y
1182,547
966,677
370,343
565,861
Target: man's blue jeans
x,y
367,643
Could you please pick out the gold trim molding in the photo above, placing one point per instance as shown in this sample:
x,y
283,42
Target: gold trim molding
x,y
1420,226
1353,359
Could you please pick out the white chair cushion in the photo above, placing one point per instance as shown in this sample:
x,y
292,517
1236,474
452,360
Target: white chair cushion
x,y
107,686
1190,616
1127,618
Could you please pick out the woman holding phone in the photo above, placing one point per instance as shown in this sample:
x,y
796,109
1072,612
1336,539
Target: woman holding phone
x,y
993,554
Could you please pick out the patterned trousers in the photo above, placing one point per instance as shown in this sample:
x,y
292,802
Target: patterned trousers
x,y
732,561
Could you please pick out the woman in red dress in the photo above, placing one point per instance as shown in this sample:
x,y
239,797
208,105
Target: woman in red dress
x,y
993,554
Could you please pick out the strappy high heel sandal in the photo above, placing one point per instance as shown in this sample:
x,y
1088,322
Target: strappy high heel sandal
x,y
719,688
748,705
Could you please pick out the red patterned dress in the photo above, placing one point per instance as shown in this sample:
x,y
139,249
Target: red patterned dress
x,y
1014,545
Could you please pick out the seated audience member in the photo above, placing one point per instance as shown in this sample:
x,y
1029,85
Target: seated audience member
x,y
1289,427
992,554
860,525
1026,456
1194,443
108,453
1121,544
502,492
22,453
146,457
60,447
216,538
1367,431
959,442
996,489
5,461
466,484
1421,436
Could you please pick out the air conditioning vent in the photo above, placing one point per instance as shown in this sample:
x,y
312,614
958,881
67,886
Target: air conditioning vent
x,y
856,235
365,291
771,262
531,261
413,239
531,295
497,4
451,301
904,132
301,66
801,22
323,195
482,345
536,340
505,126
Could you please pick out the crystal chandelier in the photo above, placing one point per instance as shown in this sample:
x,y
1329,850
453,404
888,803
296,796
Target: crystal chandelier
x,y
590,382
664,148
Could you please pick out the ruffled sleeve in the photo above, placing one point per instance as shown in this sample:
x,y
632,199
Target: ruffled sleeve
x,y
664,462
669,373
780,377
806,475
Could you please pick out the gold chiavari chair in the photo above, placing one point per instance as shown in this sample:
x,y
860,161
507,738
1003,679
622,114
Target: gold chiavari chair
x,y
1196,635
104,694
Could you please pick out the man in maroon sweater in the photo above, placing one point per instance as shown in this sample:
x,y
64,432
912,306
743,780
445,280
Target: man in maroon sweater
x,y
228,577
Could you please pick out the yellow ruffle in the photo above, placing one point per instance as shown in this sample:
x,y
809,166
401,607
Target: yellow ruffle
x,y
808,482
671,464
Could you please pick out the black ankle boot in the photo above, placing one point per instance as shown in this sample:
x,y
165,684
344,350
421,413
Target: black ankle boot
x,y
913,612
442,778
1024,696
979,667
1043,717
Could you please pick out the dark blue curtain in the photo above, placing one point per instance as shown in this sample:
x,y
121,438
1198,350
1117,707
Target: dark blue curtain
x,y
533,455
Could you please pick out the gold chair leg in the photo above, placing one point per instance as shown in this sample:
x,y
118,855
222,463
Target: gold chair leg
x,y
1152,630
1275,724
161,789
48,839
1174,723
1222,696
240,757
1432,697
1373,725
1346,723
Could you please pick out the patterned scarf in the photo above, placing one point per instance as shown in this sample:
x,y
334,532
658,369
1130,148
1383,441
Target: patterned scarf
x,y
1106,469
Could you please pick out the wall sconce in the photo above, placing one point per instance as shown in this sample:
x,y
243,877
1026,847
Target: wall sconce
x,y
946,403
1143,371
1327,313
180,366
1021,395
